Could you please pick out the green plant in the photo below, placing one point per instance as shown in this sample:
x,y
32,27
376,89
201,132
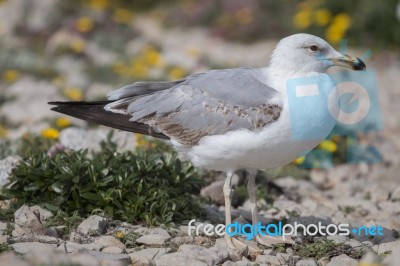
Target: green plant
x,y
129,239
347,209
279,248
5,247
148,186
327,248
9,228
69,221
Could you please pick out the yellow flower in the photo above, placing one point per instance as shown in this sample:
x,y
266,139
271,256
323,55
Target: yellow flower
x,y
176,73
336,31
78,46
84,24
141,141
73,94
63,122
122,16
152,57
299,160
10,75
138,69
302,19
334,34
3,132
342,21
119,234
322,17
50,133
98,4
328,145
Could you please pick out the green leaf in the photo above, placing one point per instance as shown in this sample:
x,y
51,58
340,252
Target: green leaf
x,y
91,196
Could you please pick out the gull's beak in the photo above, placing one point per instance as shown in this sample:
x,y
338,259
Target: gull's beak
x,y
349,62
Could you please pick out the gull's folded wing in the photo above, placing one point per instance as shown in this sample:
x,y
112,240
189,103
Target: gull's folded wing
x,y
205,104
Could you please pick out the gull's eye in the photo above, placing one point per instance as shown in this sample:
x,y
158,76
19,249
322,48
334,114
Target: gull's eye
x,y
313,48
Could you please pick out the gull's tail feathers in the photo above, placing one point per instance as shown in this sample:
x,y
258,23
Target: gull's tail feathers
x,y
95,112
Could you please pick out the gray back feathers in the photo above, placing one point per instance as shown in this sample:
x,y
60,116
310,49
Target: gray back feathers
x,y
205,104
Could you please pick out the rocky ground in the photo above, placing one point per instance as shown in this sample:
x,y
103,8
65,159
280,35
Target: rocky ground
x,y
357,194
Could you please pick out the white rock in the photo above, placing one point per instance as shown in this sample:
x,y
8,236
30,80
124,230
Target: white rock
x,y
26,222
342,260
108,241
239,263
146,256
9,258
392,259
152,231
113,249
108,258
46,256
268,251
177,259
387,247
234,254
6,166
41,213
153,240
369,258
141,261
306,262
283,257
72,247
268,259
24,248
210,256
395,194
92,225
83,259
180,240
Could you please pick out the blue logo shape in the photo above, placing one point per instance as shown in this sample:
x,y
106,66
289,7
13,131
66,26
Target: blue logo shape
x,y
358,104
307,102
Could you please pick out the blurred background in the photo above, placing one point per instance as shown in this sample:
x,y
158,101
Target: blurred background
x,y
80,50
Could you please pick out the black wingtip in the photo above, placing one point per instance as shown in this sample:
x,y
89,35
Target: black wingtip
x,y
70,103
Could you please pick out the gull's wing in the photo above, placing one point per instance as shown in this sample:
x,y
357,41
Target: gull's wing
x,y
205,104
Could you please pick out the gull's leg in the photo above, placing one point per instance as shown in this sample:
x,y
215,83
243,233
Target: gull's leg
x,y
252,190
228,193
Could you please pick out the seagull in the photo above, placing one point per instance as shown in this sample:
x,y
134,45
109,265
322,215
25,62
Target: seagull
x,y
228,119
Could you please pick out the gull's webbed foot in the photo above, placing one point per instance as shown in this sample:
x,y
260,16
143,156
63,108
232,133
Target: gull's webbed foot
x,y
234,243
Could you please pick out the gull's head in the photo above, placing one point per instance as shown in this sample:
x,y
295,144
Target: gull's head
x,y
305,53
